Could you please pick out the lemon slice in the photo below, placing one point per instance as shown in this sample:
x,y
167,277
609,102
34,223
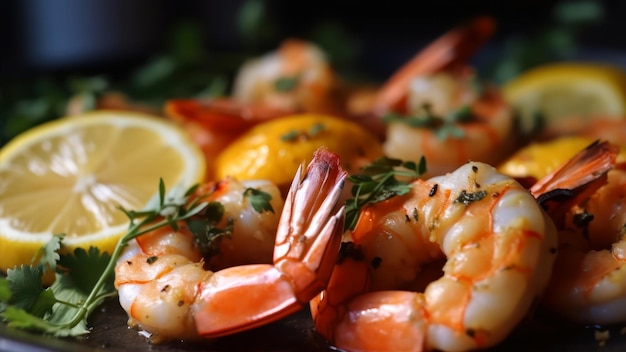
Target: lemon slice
x,y
567,90
71,175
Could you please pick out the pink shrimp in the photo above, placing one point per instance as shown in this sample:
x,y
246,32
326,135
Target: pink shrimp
x,y
497,246
167,291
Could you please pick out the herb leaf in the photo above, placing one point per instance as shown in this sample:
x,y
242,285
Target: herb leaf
x,y
286,84
25,284
207,235
260,200
378,182
444,127
83,268
466,198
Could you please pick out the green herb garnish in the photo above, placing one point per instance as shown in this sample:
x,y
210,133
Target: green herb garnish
x,y
207,235
467,198
259,200
293,135
84,279
286,84
378,182
444,127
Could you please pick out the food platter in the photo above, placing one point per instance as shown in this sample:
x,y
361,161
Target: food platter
x,y
108,331
295,333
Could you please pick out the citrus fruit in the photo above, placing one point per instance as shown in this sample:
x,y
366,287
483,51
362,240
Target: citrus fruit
x,y
567,90
273,150
70,176
538,159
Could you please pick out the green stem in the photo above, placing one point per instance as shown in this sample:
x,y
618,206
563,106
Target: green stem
x,y
134,231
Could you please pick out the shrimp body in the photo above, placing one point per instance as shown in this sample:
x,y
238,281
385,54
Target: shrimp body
x,y
485,134
167,291
589,281
253,233
588,284
296,77
439,111
499,247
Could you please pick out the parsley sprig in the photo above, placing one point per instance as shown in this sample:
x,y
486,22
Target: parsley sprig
x,y
84,279
378,182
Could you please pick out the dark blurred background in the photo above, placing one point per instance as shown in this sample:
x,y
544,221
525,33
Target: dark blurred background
x,y
157,49
73,35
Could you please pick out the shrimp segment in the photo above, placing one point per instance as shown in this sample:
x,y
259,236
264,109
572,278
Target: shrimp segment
x,y
589,284
499,247
167,291
432,106
589,281
450,51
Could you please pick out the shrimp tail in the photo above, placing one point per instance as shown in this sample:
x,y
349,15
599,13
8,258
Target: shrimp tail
x,y
310,212
452,49
349,279
577,179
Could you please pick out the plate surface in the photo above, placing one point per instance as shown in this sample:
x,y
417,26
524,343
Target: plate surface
x,y
295,333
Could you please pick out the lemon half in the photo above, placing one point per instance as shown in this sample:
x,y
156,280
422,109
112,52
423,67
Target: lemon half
x,y
71,176
567,90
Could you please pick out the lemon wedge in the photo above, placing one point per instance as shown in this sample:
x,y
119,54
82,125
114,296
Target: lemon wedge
x,y
540,158
71,175
567,90
273,150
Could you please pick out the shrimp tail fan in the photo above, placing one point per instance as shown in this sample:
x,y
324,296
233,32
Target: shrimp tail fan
x,y
576,179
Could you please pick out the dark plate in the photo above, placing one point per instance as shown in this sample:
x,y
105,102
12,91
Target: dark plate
x,y
295,333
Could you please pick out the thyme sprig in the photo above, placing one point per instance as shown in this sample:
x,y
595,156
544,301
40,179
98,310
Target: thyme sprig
x,y
378,182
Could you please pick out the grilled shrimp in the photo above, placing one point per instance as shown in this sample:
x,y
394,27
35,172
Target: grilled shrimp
x,y
433,106
294,79
589,280
166,290
498,246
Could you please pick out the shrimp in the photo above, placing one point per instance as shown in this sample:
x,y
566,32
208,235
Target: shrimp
x,y
166,290
294,79
498,245
433,107
589,280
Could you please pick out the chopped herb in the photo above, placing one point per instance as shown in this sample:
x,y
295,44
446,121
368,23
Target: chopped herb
x,y
466,198
378,182
582,219
259,200
207,236
293,135
443,127
316,128
286,84
290,136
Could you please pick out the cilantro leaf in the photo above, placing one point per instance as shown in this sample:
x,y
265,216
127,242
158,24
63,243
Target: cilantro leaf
x,y
260,200
47,254
25,285
83,268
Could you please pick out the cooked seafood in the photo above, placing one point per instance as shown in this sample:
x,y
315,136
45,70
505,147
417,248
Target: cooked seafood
x,y
499,246
167,292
